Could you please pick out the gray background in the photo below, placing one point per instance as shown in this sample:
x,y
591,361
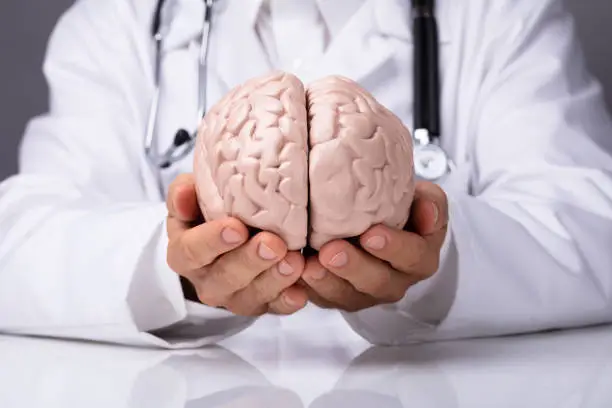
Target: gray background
x,y
26,24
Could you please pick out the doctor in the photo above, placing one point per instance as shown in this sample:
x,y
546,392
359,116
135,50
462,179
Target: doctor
x,y
516,239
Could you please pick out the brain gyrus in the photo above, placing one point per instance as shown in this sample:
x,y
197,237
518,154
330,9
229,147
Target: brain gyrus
x,y
309,164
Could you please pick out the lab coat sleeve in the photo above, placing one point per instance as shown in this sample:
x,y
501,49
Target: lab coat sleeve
x,y
529,247
83,245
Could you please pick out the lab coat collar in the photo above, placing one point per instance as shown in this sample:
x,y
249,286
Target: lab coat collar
x,y
367,34
179,22
363,34
393,19
182,19
391,16
337,13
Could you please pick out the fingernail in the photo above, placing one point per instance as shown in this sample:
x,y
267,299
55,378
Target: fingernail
x,y
377,242
265,252
317,274
230,236
436,212
284,268
339,260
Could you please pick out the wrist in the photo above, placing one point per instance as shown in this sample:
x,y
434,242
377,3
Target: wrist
x,y
430,300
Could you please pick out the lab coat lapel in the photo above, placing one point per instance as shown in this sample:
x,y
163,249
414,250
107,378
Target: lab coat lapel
x,y
235,50
236,45
393,19
181,23
362,36
368,34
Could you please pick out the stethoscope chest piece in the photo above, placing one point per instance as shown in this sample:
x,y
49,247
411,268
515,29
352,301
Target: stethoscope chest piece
x,y
431,163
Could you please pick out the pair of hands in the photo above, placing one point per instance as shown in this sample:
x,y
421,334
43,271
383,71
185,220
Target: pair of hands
x,y
258,275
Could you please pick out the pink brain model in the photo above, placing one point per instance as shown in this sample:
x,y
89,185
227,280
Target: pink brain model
x,y
309,165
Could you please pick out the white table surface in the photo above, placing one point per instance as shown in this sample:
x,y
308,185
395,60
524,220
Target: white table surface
x,y
313,368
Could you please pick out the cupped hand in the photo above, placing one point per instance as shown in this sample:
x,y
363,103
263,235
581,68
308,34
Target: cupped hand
x,y
386,263
248,277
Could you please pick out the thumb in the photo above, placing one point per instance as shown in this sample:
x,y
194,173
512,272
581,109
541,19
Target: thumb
x,y
182,201
429,211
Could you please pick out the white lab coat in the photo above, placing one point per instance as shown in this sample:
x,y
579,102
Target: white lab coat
x,y
82,232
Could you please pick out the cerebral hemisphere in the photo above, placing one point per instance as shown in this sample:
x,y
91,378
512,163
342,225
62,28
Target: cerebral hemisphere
x,y
310,164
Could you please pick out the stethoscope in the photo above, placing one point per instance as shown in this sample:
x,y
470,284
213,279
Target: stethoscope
x,y
431,162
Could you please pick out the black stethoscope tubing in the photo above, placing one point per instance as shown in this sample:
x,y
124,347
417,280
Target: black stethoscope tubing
x,y
426,63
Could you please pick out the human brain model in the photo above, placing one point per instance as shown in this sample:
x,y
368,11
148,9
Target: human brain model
x,y
308,164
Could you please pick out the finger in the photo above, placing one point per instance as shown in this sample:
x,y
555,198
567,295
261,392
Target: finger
x,y
364,272
333,289
405,251
182,199
235,270
401,249
429,210
253,300
292,300
194,248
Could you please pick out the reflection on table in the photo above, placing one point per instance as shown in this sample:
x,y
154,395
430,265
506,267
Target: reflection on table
x,y
566,369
